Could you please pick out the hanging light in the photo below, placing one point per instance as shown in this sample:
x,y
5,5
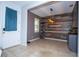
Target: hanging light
x,y
51,20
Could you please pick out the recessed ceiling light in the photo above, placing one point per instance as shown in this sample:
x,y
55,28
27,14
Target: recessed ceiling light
x,y
51,9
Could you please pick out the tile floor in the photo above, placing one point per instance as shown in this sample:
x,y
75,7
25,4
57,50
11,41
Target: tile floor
x,y
40,48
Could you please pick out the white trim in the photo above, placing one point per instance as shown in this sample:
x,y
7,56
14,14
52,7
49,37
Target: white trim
x,y
56,39
34,39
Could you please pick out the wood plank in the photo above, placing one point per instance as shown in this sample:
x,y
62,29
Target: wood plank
x,y
66,32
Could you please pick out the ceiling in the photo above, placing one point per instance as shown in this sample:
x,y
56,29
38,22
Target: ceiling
x,y
22,3
58,8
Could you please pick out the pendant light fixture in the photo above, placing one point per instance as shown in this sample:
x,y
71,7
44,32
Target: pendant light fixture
x,y
51,20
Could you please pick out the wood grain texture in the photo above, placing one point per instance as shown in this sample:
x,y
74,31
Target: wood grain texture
x,y
60,28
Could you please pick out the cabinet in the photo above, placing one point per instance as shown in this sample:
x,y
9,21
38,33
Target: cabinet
x,y
72,42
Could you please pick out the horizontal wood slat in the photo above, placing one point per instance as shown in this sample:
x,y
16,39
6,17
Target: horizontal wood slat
x,y
59,29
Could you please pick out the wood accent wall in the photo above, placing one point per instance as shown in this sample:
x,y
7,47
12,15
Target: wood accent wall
x,y
60,28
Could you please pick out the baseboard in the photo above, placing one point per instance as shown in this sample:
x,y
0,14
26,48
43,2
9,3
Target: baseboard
x,y
34,39
56,39
11,46
23,43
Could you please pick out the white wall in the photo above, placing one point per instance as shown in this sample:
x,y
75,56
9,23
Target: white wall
x,y
0,26
13,37
23,35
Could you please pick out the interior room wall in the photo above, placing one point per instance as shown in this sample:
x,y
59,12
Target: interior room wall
x,y
11,38
78,29
23,33
60,28
75,16
0,26
31,34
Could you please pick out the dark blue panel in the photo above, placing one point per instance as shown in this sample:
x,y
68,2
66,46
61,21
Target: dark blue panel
x,y
10,20
73,42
